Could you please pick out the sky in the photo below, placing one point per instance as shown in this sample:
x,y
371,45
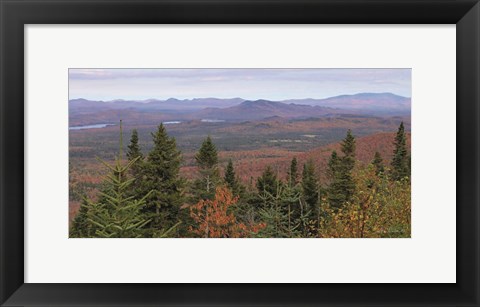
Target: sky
x,y
250,84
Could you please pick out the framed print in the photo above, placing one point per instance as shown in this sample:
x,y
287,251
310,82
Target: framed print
x,y
239,153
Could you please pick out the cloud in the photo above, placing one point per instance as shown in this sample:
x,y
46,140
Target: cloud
x,y
247,83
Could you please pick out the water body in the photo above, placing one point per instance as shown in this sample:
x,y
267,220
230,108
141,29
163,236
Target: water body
x,y
95,126
212,120
173,122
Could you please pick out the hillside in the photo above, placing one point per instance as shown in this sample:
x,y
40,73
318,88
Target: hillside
x,y
386,103
261,109
252,163
85,112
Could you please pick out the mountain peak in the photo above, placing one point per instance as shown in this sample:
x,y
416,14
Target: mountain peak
x,y
260,102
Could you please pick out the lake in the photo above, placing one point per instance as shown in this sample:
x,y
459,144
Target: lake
x,y
212,120
95,126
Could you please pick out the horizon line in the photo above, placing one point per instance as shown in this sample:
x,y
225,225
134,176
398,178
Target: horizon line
x,y
231,98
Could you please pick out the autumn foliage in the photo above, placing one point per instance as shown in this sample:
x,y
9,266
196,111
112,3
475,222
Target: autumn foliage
x,y
353,189
380,208
214,218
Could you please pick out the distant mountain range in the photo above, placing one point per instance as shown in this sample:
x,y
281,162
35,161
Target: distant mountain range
x,y
260,109
239,109
378,102
186,105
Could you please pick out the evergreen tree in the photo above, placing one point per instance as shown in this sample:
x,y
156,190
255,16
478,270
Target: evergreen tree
x,y
272,213
81,227
207,162
400,161
207,156
291,206
342,186
335,193
134,153
161,176
230,177
120,215
293,172
347,165
410,164
333,167
116,215
231,180
348,149
134,150
268,182
310,189
378,163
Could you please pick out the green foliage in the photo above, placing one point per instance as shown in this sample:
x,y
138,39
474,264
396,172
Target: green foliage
x,y
310,189
134,153
207,156
134,150
293,173
268,183
167,233
120,215
115,215
342,186
378,163
275,214
333,166
230,178
400,161
81,227
380,208
359,201
161,177
207,162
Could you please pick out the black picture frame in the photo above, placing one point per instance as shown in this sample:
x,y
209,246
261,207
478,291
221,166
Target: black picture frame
x,y
14,14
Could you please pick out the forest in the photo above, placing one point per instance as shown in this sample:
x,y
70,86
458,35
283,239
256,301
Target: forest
x,y
145,195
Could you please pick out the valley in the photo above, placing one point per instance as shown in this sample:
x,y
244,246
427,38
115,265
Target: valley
x,y
252,145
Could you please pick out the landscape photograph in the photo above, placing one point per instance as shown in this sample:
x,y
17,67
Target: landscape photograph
x,y
239,153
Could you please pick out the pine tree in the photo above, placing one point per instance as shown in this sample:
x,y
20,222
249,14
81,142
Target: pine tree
x,y
348,149
161,176
116,215
81,227
231,180
268,182
378,163
335,193
290,198
273,213
207,162
400,161
207,156
347,165
120,215
332,168
310,188
230,177
134,150
134,153
342,186
293,172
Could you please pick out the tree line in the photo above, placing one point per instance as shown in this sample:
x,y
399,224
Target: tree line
x,y
145,196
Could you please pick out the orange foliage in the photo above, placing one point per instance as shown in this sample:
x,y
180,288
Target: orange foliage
x,y
213,219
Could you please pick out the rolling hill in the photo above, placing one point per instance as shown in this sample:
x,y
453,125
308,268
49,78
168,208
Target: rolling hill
x,y
261,109
280,160
82,111
386,103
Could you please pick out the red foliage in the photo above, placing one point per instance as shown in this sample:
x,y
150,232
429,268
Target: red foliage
x,y
214,220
